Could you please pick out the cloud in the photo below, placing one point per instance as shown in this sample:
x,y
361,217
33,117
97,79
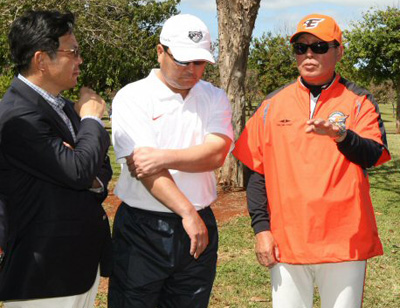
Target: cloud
x,y
210,5
202,5
282,16
284,4
285,22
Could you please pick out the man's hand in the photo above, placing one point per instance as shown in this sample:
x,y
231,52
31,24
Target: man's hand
x,y
96,184
145,161
68,145
267,250
323,127
90,104
1,256
164,189
197,231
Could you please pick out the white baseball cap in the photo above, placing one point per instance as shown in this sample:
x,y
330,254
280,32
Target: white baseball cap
x,y
188,38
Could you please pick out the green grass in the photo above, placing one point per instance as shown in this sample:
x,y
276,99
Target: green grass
x,y
386,111
115,167
383,275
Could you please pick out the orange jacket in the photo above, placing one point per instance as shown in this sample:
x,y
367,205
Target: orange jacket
x,y
319,201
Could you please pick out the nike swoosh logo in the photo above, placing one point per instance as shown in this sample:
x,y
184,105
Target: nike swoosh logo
x,y
155,118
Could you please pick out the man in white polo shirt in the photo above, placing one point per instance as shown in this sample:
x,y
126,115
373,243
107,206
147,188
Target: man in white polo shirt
x,y
170,131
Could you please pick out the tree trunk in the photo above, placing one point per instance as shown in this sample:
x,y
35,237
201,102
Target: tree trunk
x,y
397,82
236,19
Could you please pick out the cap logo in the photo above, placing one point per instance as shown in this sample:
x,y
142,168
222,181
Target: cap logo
x,y
312,23
195,36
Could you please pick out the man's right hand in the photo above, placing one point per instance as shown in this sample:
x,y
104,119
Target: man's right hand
x,y
162,186
197,231
267,250
90,104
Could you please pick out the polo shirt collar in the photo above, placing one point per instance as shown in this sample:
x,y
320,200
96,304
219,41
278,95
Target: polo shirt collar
x,y
165,93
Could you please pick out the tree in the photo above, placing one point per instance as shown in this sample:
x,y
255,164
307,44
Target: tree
x,y
272,58
373,50
236,19
117,37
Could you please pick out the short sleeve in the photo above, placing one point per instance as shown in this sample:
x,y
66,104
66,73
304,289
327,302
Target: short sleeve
x,y
220,120
131,123
249,147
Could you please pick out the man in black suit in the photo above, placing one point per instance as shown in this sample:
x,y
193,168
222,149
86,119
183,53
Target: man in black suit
x,y
54,172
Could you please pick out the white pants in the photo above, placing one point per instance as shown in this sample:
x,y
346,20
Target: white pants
x,y
85,300
340,285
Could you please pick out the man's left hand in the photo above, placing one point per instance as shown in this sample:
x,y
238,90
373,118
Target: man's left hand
x,y
96,183
323,127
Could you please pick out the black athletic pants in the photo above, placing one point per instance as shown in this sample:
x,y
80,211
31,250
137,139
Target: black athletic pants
x,y
152,263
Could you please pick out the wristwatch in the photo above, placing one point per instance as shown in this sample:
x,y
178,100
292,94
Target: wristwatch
x,y
338,119
341,131
341,125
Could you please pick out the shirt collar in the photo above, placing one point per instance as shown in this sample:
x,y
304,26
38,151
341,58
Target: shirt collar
x,y
56,101
163,91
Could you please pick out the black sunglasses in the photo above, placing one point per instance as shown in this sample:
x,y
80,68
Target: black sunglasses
x,y
318,47
181,63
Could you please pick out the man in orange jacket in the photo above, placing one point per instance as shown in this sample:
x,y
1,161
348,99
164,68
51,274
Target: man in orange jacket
x,y
308,145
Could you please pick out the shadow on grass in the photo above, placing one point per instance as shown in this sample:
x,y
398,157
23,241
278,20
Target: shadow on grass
x,y
386,177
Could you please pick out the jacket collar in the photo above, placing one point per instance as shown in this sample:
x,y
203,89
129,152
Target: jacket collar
x,y
32,97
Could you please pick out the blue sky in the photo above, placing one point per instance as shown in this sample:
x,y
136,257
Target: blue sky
x,y
282,16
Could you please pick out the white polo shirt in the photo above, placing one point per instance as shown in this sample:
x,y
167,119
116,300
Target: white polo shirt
x,y
147,113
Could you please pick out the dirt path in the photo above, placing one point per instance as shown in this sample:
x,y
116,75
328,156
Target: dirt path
x,y
227,206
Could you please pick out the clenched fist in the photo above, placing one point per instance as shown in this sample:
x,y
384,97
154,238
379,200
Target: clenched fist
x,y
90,104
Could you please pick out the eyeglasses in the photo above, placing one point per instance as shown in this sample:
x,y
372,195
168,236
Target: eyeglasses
x,y
181,63
318,47
75,51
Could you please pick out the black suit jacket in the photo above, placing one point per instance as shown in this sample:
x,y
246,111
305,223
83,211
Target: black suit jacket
x,y
58,232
